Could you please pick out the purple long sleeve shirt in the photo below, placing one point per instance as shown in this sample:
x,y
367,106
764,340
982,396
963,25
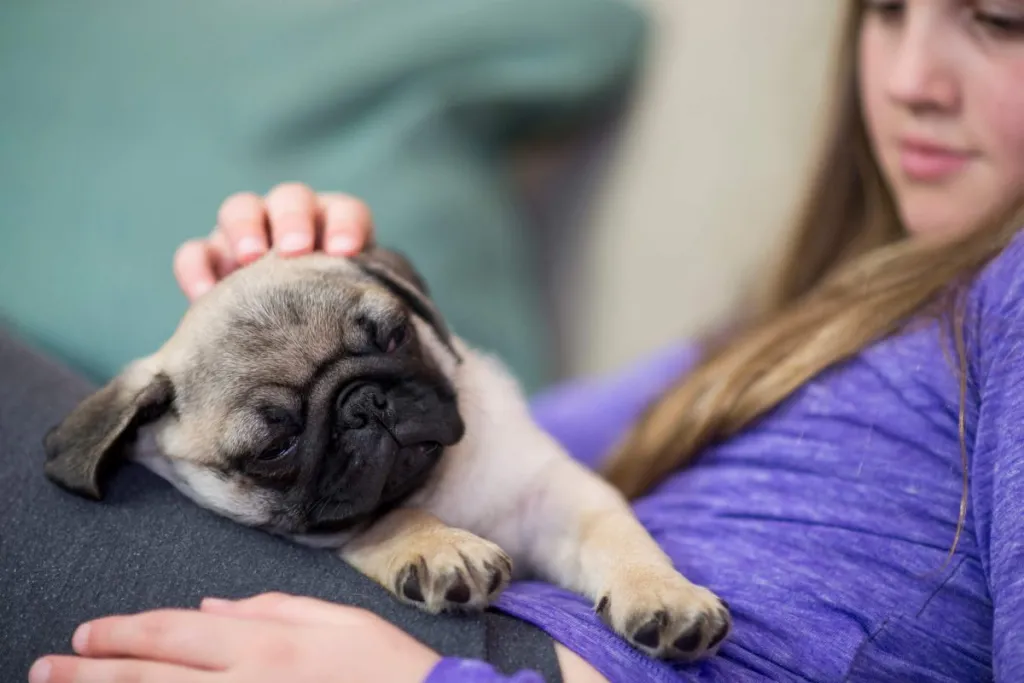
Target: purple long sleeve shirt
x,y
827,525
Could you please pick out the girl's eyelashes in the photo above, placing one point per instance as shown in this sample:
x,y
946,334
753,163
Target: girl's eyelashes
x,y
1004,26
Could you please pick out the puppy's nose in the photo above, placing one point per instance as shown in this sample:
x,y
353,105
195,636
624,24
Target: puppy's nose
x,y
364,405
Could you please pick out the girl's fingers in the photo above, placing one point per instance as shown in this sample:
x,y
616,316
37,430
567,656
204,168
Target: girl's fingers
x,y
184,637
287,608
292,213
347,224
61,669
289,220
221,255
194,268
243,220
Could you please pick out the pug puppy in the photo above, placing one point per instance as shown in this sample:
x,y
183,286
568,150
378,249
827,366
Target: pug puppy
x,y
324,399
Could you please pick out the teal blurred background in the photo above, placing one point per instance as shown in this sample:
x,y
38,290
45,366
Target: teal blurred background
x,y
125,123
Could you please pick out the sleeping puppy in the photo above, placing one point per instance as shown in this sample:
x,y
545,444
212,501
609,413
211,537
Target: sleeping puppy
x,y
324,399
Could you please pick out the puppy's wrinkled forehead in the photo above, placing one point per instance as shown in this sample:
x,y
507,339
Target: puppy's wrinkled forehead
x,y
280,320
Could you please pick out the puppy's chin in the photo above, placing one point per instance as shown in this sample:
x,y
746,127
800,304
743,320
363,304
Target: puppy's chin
x,y
385,441
376,479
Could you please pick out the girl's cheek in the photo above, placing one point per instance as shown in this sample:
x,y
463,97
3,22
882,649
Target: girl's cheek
x,y
1003,119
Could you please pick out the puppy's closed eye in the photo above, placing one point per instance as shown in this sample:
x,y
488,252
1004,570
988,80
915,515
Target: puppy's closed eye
x,y
280,419
273,465
278,449
273,454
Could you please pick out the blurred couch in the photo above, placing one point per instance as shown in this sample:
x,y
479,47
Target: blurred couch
x,y
126,122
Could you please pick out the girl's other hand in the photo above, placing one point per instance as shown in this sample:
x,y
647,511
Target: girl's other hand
x,y
266,639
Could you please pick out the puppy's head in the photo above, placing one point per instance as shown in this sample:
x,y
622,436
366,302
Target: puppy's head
x,y
302,395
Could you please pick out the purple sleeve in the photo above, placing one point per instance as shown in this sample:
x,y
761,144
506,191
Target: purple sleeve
x,y
997,457
588,416
453,670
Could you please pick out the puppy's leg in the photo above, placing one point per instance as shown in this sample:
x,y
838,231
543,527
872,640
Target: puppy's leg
x,y
423,562
581,533
512,483
573,529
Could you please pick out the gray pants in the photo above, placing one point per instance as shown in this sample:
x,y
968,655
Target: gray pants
x,y
64,560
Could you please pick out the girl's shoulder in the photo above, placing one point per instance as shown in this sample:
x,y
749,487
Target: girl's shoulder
x,y
998,287
994,322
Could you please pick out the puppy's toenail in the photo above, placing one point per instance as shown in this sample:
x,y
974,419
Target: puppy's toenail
x,y
495,579
719,636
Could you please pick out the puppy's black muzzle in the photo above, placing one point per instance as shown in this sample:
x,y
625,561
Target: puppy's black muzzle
x,y
386,439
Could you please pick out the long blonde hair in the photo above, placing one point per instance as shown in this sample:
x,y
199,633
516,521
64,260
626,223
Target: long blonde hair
x,y
849,279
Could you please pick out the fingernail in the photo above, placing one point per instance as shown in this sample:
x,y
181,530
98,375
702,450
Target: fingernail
x,y
200,288
80,640
40,672
294,241
248,247
341,244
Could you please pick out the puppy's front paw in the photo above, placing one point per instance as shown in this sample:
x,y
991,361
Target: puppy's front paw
x,y
663,614
451,570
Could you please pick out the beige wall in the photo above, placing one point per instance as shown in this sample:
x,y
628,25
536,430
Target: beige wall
x,y
712,160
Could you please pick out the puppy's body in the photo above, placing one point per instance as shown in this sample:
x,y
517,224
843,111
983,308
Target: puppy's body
x,y
291,399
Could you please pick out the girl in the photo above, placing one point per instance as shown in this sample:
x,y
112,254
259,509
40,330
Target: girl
x,y
857,495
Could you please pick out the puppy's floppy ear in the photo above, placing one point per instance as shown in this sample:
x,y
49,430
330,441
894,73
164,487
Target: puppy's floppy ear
x,y
395,262
396,273
85,440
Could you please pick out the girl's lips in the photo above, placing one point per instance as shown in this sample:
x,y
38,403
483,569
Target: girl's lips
x,y
925,161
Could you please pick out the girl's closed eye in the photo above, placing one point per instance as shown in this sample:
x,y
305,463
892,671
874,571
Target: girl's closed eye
x,y
1002,19
886,9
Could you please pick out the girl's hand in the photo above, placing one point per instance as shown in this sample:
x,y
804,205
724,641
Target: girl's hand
x,y
292,219
266,639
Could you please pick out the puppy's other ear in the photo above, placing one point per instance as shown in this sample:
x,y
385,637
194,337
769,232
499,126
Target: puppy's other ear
x,y
396,263
396,273
85,440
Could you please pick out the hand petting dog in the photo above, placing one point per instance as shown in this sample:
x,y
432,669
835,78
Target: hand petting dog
x,y
292,220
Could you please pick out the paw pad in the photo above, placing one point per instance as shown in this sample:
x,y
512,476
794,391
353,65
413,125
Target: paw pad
x,y
410,586
649,634
458,592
